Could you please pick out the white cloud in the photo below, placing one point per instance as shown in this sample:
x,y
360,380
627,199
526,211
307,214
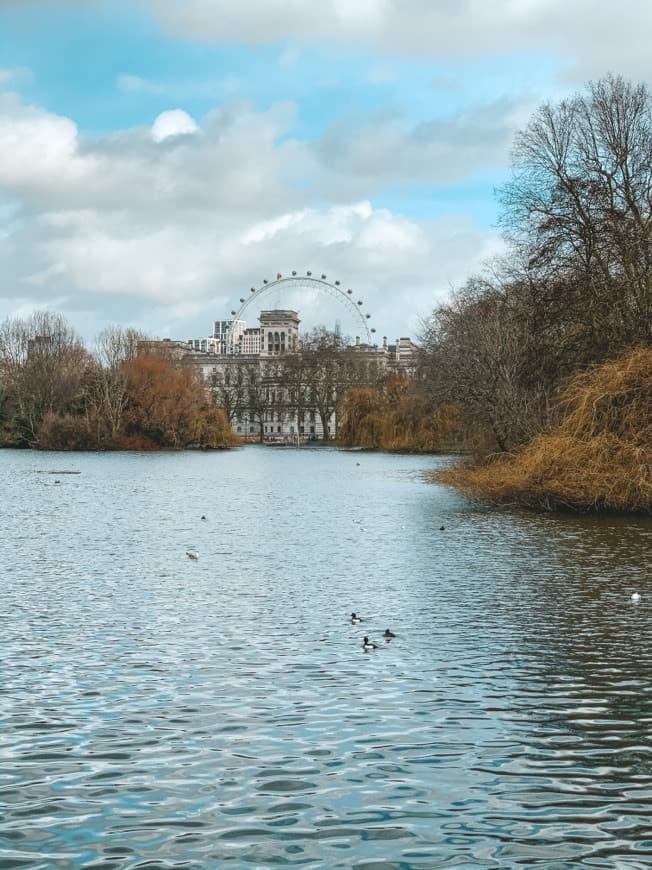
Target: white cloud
x,y
443,150
170,224
174,122
237,163
398,266
37,148
589,38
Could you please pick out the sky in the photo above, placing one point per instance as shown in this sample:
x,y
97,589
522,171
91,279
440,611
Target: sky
x,y
159,158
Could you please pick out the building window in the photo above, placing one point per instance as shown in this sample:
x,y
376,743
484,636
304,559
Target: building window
x,y
278,429
312,430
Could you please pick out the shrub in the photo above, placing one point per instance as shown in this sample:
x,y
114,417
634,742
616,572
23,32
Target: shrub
x,y
210,428
399,417
598,458
65,432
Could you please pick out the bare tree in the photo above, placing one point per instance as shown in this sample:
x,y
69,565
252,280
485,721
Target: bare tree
x,y
579,206
261,386
318,375
482,354
576,284
44,366
109,394
228,387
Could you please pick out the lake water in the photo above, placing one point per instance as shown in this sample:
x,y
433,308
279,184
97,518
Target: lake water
x,y
163,712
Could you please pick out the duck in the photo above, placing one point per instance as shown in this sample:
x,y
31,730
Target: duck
x,y
389,634
355,619
635,597
192,554
203,517
369,644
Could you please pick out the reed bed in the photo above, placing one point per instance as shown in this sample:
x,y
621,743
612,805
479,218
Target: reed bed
x,y
599,458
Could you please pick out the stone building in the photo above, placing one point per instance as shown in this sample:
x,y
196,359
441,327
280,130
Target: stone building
x,y
272,388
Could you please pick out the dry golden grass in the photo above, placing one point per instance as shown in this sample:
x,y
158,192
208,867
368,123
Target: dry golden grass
x,y
598,458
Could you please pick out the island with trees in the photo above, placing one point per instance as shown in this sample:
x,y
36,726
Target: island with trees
x,y
57,395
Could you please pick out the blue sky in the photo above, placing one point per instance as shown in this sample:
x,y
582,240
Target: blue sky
x,y
364,138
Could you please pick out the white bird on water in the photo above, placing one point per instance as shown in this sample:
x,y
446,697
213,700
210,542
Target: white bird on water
x,y
192,554
636,597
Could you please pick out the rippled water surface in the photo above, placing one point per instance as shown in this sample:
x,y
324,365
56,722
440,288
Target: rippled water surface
x,y
159,711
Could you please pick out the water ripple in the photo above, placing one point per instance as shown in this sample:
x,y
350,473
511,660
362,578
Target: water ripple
x,y
160,712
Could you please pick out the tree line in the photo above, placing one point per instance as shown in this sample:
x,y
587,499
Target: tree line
x,y
56,394
131,393
541,366
575,288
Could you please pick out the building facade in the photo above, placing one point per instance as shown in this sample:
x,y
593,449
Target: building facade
x,y
275,390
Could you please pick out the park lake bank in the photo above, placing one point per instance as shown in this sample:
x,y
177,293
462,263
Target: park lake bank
x,y
222,710
594,452
598,457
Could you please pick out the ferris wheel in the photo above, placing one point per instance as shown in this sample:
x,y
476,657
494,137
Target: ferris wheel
x,y
297,282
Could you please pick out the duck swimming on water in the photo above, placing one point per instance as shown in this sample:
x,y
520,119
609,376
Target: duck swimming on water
x,y
355,619
389,634
369,644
